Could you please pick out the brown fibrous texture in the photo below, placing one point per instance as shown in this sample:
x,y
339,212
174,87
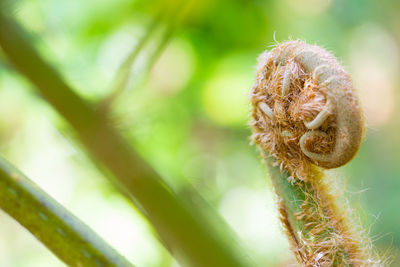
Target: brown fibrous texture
x,y
306,115
326,235
305,109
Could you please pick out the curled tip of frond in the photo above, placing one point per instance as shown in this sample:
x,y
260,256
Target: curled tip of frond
x,y
305,109
305,113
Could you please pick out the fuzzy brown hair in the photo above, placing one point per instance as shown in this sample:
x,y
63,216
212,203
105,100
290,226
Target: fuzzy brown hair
x,y
305,109
306,117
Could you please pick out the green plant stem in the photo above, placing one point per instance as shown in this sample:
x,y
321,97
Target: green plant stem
x,y
120,83
290,196
315,224
187,234
164,40
65,235
122,76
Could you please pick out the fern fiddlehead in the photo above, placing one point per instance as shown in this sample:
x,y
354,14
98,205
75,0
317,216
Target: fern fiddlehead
x,y
305,118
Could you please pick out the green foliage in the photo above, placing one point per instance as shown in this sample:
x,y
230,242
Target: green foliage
x,y
182,119
64,234
183,231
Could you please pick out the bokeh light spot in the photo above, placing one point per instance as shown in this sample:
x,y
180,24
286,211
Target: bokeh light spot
x,y
309,7
173,69
225,96
374,66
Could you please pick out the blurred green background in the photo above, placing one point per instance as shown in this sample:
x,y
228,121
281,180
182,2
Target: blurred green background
x,y
185,110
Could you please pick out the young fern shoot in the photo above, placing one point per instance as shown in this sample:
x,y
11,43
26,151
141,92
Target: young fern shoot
x,y
305,118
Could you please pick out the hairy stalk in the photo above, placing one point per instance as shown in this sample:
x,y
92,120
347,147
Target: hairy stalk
x,y
188,235
305,118
319,231
65,235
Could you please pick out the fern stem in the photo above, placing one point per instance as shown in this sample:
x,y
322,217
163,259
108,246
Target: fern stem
x,y
188,235
120,82
319,231
65,235
306,115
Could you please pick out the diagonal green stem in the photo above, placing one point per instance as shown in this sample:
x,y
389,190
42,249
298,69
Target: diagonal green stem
x,y
121,79
290,196
186,233
65,235
122,76
314,222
